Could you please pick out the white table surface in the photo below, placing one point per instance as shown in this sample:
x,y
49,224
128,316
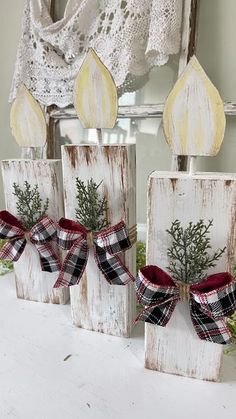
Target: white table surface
x,y
103,379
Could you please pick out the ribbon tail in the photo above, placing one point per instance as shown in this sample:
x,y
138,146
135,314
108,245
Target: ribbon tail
x,y
73,266
207,328
111,266
49,260
13,249
157,314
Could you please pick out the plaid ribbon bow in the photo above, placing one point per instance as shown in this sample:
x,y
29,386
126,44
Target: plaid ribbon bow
x,y
40,235
210,301
106,244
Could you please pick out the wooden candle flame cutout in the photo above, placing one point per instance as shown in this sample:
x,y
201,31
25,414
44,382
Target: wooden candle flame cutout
x,y
95,94
27,121
194,118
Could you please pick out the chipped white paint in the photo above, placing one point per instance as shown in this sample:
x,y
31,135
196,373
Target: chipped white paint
x,y
193,118
31,282
97,305
28,124
95,94
176,348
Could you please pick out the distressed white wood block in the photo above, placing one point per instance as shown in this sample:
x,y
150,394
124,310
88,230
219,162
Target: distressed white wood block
x,y
176,348
31,282
97,305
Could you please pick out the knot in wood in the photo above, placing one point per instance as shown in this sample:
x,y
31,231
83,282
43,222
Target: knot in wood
x,y
90,239
27,236
184,292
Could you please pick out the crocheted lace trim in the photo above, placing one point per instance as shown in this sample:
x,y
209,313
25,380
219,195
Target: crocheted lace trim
x,y
130,37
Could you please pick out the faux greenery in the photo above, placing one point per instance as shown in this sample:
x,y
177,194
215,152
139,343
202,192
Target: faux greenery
x,y
140,262
5,265
234,272
231,323
92,208
189,257
30,207
140,255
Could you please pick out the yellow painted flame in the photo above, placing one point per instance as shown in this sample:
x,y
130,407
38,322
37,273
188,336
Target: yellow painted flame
x,y
194,118
27,121
95,94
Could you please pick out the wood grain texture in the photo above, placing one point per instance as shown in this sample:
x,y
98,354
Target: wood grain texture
x,y
28,124
190,16
193,118
97,305
95,94
31,282
176,348
134,111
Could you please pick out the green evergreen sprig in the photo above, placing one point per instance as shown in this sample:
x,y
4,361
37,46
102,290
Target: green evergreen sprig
x,y
92,209
140,255
29,205
189,257
5,265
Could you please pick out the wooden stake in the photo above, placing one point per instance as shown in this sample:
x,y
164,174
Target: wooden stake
x,y
192,165
99,135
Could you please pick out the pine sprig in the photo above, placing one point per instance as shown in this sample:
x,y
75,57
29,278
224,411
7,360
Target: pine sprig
x,y
189,257
30,207
92,209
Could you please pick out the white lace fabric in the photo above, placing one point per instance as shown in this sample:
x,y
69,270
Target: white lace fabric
x,y
129,36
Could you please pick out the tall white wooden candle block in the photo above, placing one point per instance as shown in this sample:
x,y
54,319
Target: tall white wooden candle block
x,y
176,348
31,282
97,305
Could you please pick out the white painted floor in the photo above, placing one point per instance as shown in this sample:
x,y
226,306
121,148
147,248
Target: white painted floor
x,y
103,378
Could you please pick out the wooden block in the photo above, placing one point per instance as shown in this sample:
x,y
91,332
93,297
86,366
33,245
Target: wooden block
x,y
97,305
31,282
176,348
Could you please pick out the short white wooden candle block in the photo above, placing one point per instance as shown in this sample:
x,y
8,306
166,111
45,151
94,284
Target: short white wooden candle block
x,y
31,282
97,305
176,348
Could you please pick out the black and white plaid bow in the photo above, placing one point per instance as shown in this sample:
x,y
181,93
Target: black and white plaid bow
x,y
210,301
40,235
106,244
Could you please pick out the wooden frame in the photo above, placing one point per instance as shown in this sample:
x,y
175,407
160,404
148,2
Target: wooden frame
x,y
188,46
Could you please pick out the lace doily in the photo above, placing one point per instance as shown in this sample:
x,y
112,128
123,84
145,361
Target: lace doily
x,y
130,37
